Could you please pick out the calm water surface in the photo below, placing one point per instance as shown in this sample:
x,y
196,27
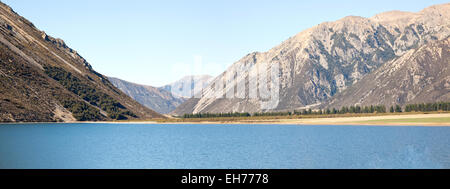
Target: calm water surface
x,y
222,146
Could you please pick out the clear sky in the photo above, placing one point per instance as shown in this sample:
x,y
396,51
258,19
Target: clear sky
x,y
143,40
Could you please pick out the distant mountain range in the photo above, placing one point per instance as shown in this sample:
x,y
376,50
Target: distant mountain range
x,y
163,99
392,58
156,99
43,80
185,87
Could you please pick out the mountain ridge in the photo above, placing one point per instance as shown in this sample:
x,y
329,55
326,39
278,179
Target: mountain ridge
x,y
157,99
185,86
326,59
43,80
421,75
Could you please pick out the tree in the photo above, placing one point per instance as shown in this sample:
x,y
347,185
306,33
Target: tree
x,y
391,109
366,109
358,109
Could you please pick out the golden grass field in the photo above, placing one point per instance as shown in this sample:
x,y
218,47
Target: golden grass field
x,y
388,119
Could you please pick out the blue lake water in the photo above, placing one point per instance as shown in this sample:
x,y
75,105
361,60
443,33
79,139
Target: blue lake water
x,y
127,146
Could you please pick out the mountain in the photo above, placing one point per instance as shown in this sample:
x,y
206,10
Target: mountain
x,y
185,86
421,75
322,61
43,80
156,99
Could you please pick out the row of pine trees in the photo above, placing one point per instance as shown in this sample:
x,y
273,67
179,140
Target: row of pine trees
x,y
423,107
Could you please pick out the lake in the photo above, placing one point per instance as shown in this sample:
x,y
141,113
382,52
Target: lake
x,y
156,146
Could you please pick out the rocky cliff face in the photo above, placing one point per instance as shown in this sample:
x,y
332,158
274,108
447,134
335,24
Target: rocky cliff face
x,y
42,79
322,61
420,75
156,99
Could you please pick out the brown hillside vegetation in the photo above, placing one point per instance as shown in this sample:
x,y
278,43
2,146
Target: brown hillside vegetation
x,y
43,80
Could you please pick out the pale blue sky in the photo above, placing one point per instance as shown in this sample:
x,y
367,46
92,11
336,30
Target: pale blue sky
x,y
142,40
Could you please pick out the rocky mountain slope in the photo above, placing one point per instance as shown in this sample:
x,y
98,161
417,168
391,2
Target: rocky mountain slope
x,y
185,86
421,75
43,80
322,61
156,99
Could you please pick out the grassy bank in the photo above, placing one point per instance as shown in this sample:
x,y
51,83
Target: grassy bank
x,y
438,118
413,121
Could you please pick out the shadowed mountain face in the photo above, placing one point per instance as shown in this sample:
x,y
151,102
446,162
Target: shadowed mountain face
x,y
421,75
325,60
41,79
156,99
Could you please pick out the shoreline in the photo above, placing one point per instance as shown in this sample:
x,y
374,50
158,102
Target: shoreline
x,y
432,119
425,120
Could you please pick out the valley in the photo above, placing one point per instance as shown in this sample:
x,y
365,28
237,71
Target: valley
x,y
372,66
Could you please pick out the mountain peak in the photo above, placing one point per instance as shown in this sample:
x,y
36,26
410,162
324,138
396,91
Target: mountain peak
x,y
195,77
393,16
436,13
185,86
156,99
325,60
